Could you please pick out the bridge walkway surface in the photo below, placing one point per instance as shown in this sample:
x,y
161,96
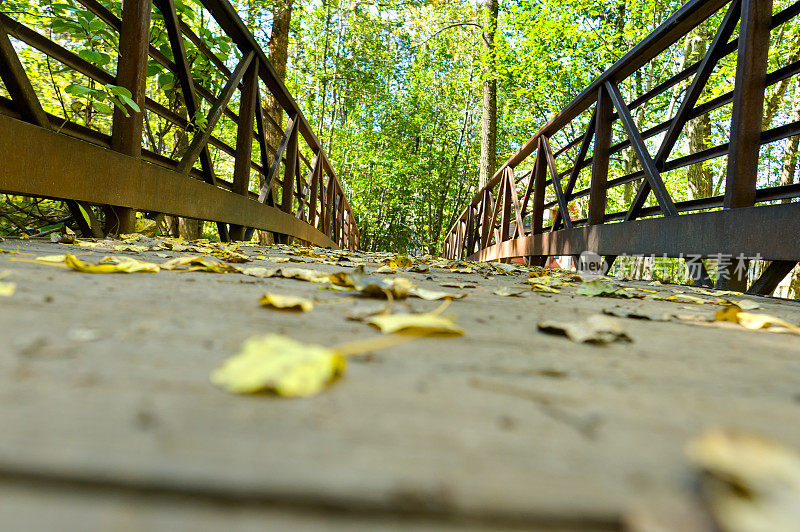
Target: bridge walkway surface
x,y
110,419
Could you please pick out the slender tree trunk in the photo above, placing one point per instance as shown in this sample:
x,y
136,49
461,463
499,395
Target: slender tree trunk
x,y
278,53
792,158
699,177
324,90
488,164
772,104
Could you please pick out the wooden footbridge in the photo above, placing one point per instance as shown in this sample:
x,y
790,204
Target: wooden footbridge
x,y
506,219
110,420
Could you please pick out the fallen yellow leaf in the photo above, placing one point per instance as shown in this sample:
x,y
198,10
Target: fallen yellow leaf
x,y
200,264
543,288
433,295
750,320
398,261
282,302
302,274
279,364
111,265
428,324
260,272
88,244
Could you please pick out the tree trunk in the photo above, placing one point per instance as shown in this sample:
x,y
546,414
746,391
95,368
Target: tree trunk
x,y
489,10
791,158
278,53
699,177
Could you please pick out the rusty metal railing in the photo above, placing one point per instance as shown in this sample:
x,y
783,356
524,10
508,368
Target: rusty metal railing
x,y
138,69
499,224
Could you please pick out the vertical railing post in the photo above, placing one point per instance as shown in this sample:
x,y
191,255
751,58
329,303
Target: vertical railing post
x,y
470,230
244,140
539,177
746,117
126,135
289,169
289,173
505,216
328,210
487,218
340,234
312,202
748,104
600,158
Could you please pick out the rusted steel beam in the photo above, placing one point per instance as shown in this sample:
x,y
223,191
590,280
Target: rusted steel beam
x,y
748,231
102,176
